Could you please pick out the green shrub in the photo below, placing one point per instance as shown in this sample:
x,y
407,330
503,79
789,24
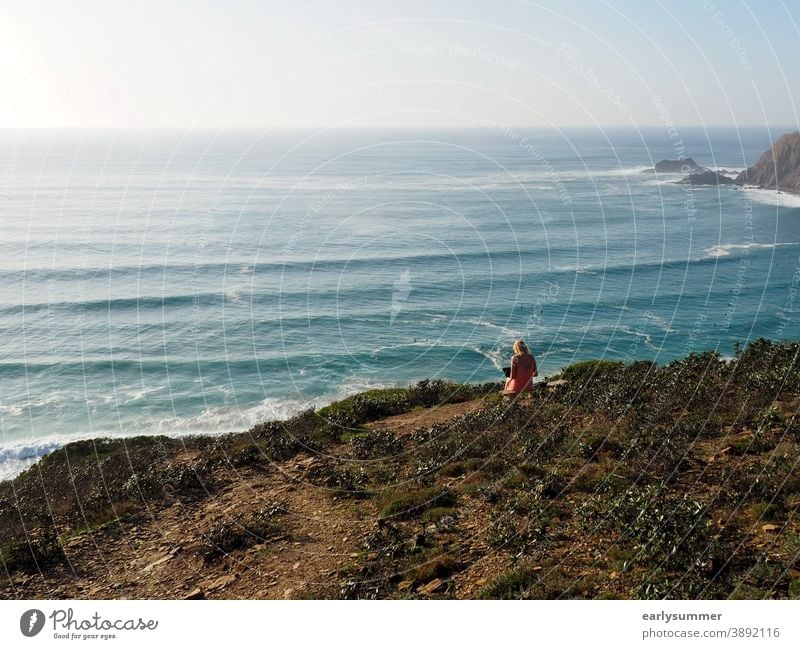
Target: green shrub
x,y
437,514
518,523
279,441
243,531
343,479
376,444
673,533
41,551
414,503
246,454
434,564
583,371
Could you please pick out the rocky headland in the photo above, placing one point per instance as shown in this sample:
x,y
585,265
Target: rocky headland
x,y
778,168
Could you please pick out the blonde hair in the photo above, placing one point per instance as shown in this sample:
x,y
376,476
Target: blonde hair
x,y
520,348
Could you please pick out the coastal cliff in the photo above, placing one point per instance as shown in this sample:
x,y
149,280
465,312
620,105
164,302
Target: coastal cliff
x,y
621,480
778,168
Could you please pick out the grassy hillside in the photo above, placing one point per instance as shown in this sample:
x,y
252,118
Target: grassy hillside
x,y
628,480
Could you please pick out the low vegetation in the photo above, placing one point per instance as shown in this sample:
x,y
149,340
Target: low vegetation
x,y
628,480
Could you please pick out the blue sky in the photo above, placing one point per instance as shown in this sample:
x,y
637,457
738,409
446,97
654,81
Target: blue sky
x,y
398,63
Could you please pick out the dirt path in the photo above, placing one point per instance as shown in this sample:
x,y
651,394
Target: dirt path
x,y
407,422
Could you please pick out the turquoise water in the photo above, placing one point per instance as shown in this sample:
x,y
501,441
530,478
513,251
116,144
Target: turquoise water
x,y
200,282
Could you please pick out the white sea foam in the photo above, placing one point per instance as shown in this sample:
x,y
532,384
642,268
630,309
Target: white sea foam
x,y
625,171
538,179
13,410
648,316
18,456
661,181
725,249
19,409
495,356
438,317
415,343
730,171
234,296
224,419
584,269
353,385
143,392
506,331
772,197
639,333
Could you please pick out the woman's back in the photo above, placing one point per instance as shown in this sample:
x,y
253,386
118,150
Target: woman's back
x,y
523,369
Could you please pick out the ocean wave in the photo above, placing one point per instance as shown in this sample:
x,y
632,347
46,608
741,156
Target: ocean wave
x,y
494,356
639,333
549,176
491,354
773,197
539,178
355,384
122,303
15,457
12,410
725,249
584,269
416,343
731,170
645,316
79,398
282,281
506,331
143,392
234,296
87,366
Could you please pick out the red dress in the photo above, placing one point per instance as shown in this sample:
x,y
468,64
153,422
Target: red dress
x,y
523,369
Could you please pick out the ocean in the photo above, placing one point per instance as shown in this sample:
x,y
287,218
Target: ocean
x,y
184,282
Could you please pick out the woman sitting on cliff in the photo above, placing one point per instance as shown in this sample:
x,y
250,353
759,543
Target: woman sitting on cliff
x,y
522,371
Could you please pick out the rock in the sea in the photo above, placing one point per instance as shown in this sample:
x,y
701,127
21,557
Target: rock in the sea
x,y
778,168
680,166
706,178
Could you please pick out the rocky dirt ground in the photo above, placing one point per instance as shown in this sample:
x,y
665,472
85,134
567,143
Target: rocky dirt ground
x,y
157,553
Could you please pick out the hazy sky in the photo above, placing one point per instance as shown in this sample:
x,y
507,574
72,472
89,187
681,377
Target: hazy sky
x,y
367,63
